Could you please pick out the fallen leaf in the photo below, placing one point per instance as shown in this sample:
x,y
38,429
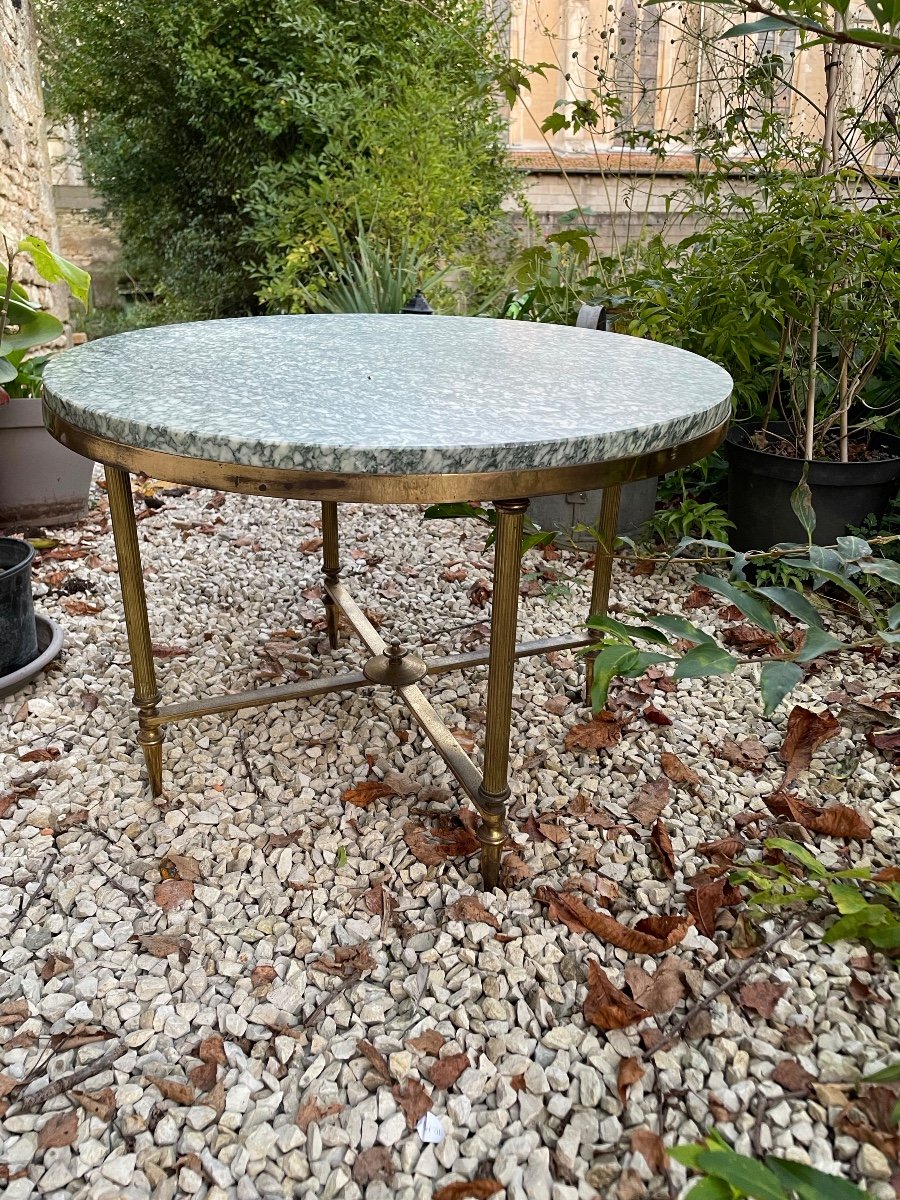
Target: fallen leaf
x,y
605,1006
550,831
347,962
366,793
212,1050
656,716
445,1072
55,964
514,871
177,1090
837,820
161,945
601,733
311,1112
630,1071
173,892
651,935
81,608
727,848
311,545
170,651
869,1117
662,843
678,771
13,1012
465,739
100,1104
470,908
660,992
447,838
793,1077
699,597
468,1189
81,1035
745,937
60,1130
373,1165
413,1101
45,754
454,576
748,639
749,754
479,593
428,1042
89,701
706,898
400,784
376,1058
203,1077
263,975
806,732
179,866
762,996
650,1145
887,740
650,800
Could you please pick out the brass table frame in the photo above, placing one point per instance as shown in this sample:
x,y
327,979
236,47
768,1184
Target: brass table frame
x,y
488,789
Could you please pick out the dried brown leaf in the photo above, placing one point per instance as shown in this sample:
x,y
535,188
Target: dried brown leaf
x,y
706,898
658,993
212,1050
60,1130
806,732
44,754
311,1112
428,1042
173,892
366,793
470,908
263,975
601,733
762,996
346,962
678,771
651,935
746,939
699,597
13,1012
373,1165
161,945
80,1035
465,738
747,755
179,866
630,1071
656,716
662,843
413,1101
81,608
793,1077
203,1077
650,800
837,820
514,871
605,1006
650,1145
177,1090
55,964
376,1058
727,848
447,838
445,1072
468,1189
101,1104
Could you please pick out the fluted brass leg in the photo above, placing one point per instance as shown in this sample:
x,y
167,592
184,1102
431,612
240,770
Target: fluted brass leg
x,y
331,566
494,791
131,581
603,564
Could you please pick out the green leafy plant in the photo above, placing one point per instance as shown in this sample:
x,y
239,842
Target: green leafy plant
x,y
731,1176
688,518
620,653
24,325
532,536
862,905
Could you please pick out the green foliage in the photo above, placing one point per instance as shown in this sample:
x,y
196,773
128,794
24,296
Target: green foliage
x,y
859,905
688,518
701,481
532,535
842,568
24,325
731,1176
230,138
361,276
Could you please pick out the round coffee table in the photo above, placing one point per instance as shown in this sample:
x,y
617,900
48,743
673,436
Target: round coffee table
x,y
383,410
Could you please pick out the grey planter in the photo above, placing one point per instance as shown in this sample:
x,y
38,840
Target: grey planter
x,y
583,508
41,482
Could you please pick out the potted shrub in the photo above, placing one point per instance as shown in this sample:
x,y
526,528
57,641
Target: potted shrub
x,y
41,483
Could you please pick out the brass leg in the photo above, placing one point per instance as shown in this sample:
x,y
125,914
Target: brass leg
x,y
494,790
331,565
603,564
131,580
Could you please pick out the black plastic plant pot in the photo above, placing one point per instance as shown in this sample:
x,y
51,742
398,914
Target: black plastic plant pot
x,y
18,632
760,485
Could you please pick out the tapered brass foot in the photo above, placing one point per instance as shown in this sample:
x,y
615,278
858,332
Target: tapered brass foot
x,y
331,567
492,834
151,742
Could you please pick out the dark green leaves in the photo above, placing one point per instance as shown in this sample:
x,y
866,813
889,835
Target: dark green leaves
x,y
705,660
745,601
776,679
801,503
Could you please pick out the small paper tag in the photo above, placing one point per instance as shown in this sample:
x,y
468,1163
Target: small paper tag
x,y
430,1129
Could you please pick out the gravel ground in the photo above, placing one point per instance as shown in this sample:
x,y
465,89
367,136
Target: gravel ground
x,y
235,1043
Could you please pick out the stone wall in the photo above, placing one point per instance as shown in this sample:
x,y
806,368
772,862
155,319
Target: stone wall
x,y
26,191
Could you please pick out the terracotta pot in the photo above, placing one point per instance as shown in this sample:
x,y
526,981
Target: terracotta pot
x,y
41,482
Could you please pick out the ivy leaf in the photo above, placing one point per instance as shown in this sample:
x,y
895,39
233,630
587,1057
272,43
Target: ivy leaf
x,y
776,679
705,660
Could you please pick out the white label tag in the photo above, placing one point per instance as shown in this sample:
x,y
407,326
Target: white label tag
x,y
430,1129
